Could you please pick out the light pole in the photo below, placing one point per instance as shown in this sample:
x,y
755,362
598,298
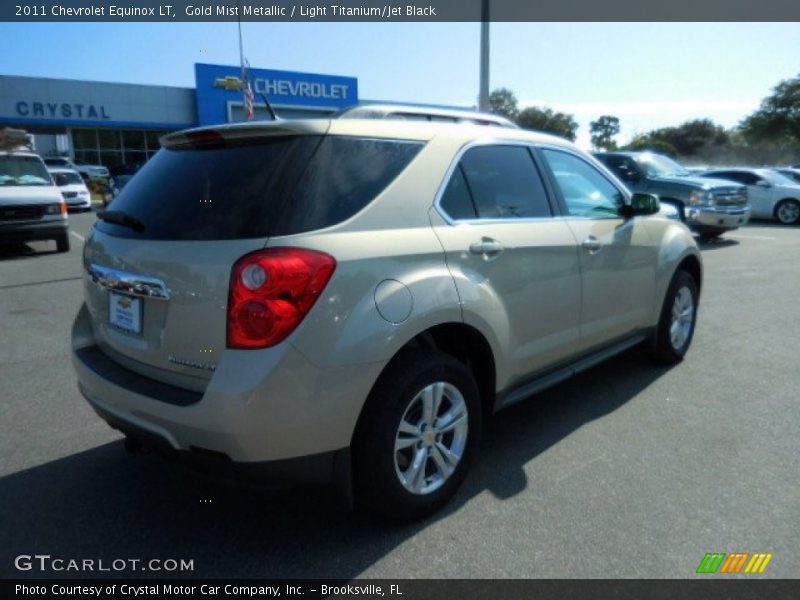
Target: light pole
x,y
483,93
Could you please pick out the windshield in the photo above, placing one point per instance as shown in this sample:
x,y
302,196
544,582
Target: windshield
x,y
63,179
23,170
657,165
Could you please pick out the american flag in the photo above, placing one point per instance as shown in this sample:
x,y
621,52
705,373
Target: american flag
x,y
247,91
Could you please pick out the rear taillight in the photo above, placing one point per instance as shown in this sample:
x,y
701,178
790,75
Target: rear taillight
x,y
271,292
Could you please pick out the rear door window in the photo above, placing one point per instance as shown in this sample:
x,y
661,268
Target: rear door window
x,y
258,187
504,183
456,200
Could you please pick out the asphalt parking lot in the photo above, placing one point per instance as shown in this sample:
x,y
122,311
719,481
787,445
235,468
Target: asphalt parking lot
x,y
625,471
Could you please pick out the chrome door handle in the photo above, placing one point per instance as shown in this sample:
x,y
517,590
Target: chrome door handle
x,y
592,244
487,247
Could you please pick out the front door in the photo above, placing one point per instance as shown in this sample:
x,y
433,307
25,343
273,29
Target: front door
x,y
617,256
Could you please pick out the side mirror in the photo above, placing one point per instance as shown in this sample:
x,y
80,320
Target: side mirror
x,y
641,205
763,183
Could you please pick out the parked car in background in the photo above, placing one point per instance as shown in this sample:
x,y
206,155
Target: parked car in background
x,y
122,174
348,299
86,170
31,206
790,172
73,188
772,195
710,207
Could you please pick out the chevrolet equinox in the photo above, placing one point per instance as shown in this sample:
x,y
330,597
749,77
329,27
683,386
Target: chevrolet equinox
x,y
347,300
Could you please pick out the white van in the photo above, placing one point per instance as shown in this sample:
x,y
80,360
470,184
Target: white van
x,y
31,205
73,188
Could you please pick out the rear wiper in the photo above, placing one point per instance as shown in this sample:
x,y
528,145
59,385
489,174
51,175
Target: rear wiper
x,y
118,217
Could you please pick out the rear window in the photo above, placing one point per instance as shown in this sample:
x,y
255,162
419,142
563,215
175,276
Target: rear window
x,y
258,188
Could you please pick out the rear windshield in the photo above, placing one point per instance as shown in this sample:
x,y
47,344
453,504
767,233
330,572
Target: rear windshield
x,y
23,170
268,187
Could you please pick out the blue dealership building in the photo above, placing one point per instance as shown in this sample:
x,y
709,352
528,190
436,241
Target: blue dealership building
x,y
119,123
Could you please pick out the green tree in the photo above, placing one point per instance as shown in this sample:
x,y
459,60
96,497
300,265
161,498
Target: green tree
x,y
778,117
691,137
548,121
504,102
603,131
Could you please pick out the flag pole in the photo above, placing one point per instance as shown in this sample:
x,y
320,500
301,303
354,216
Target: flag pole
x,y
241,45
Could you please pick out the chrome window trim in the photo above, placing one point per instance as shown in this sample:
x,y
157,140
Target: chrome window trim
x,y
457,159
132,284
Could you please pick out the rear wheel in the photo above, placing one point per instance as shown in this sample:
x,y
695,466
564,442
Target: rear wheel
x,y
678,315
417,436
787,212
62,243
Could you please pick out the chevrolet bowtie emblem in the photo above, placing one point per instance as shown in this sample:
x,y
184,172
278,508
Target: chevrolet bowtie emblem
x,y
230,83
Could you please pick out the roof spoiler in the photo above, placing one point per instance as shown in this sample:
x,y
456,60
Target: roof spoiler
x,y
219,135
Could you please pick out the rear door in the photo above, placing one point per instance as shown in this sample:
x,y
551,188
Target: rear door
x,y
514,262
617,256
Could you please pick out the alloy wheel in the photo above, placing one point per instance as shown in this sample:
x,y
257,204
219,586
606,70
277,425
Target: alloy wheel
x,y
682,318
431,438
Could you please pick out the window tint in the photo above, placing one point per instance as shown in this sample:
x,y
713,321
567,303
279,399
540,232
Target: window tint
x,y
504,183
586,191
456,200
258,188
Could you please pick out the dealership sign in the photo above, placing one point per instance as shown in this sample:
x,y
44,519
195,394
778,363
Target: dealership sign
x,y
281,88
60,110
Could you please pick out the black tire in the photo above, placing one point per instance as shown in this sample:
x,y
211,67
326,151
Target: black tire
x,y
62,243
663,349
781,206
377,485
709,234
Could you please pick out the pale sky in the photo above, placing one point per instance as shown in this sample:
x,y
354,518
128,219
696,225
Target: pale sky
x,y
648,74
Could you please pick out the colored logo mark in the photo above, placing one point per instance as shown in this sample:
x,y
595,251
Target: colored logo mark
x,y
734,563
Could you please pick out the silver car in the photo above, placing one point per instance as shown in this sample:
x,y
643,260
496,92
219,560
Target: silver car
x,y
347,300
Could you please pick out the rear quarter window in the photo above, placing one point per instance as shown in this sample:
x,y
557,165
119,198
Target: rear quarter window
x,y
258,188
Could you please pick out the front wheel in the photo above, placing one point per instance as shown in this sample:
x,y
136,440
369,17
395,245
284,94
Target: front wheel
x,y
678,316
787,212
417,436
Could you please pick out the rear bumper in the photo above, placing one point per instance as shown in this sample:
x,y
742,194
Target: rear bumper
x,y
327,467
28,231
259,406
716,217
